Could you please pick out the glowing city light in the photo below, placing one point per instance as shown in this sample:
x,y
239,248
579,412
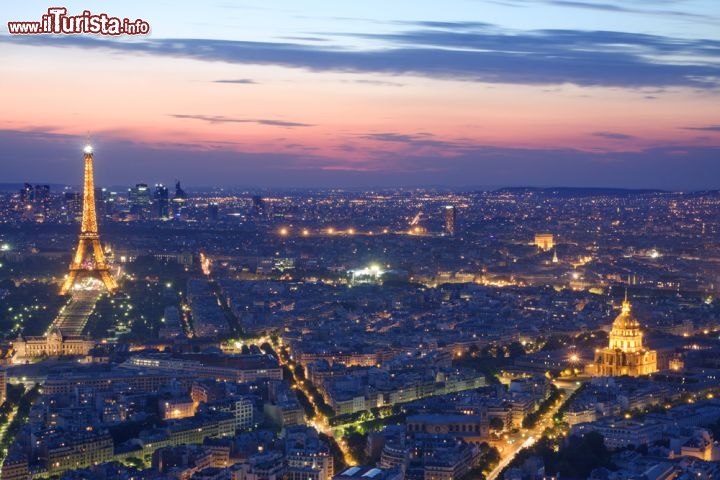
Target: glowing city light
x,y
89,240
369,274
205,263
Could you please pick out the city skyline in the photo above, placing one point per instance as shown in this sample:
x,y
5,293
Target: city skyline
x,y
467,94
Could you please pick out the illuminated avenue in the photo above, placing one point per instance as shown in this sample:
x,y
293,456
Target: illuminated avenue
x,y
405,333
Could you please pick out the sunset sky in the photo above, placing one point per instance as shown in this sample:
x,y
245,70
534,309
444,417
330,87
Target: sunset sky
x,y
460,93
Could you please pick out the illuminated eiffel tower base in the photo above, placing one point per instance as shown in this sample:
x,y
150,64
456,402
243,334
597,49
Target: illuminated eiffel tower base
x,y
89,242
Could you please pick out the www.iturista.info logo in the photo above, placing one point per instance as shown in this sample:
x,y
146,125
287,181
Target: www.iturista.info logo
x,y
57,21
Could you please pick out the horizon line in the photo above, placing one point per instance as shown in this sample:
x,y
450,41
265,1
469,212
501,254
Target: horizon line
x,y
12,186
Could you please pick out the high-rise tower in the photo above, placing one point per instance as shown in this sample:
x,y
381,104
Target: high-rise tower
x,y
450,218
162,202
83,264
179,202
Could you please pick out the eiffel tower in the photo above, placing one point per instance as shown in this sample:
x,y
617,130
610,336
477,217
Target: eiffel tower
x,y
89,239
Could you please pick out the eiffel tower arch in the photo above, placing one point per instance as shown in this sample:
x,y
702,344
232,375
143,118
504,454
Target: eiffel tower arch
x,y
83,265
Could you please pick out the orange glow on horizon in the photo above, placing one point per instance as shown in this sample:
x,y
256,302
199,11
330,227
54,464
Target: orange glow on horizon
x,y
169,102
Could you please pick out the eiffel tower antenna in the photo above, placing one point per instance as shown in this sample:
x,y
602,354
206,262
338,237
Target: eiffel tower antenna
x,y
89,240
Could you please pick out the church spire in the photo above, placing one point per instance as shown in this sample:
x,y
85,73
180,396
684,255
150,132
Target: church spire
x,y
626,306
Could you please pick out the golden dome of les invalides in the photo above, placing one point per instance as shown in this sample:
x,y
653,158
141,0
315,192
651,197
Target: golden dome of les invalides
x,y
625,354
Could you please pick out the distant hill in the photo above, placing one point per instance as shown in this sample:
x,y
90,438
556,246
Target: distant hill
x,y
548,191
705,193
16,187
580,191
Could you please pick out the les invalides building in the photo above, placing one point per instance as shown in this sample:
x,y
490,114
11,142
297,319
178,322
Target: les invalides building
x,y
625,354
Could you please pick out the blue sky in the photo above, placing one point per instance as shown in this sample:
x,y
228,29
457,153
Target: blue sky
x,y
458,93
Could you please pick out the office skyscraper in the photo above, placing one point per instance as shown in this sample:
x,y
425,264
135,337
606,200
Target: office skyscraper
x,y
162,201
73,205
140,201
213,211
450,218
258,206
179,201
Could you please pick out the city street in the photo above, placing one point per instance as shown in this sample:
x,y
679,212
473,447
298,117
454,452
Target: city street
x,y
532,435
